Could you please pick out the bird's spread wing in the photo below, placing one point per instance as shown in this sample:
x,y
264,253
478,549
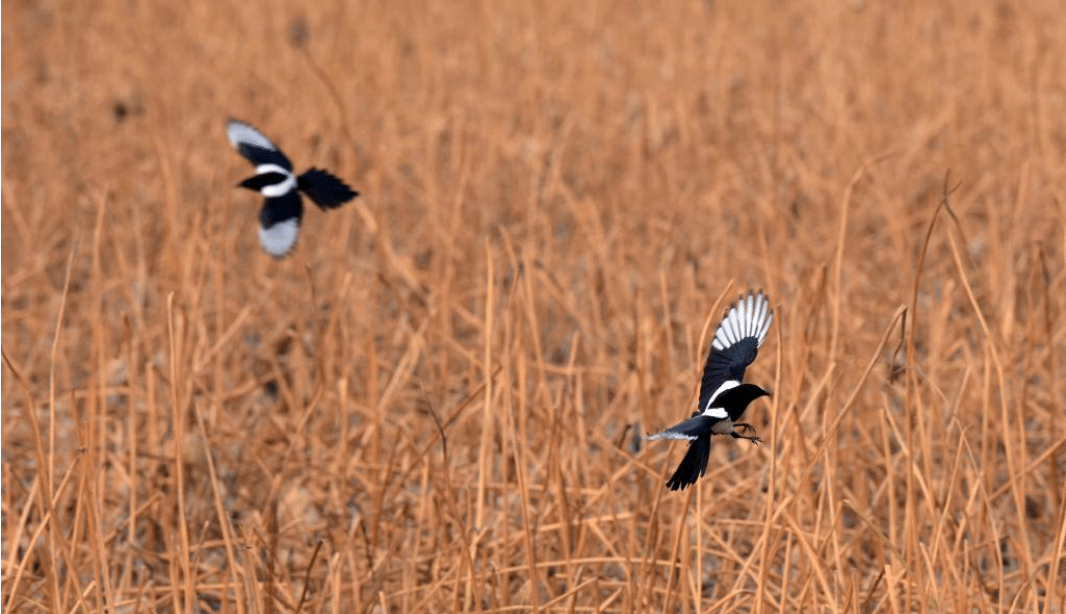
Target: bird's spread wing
x,y
735,344
693,428
279,224
327,191
255,147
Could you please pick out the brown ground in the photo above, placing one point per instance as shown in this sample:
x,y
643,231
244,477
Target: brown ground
x,y
434,404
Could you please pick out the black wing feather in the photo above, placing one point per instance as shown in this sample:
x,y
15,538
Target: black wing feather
x,y
254,146
725,365
258,156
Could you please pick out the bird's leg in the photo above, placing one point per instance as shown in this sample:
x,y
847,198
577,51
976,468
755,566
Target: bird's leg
x,y
744,426
755,439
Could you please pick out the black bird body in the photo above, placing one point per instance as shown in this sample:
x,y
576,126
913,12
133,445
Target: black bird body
x,y
279,219
723,395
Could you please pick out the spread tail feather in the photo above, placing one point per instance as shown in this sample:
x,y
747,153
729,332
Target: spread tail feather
x,y
693,465
327,191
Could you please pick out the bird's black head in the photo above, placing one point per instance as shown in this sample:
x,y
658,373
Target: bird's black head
x,y
736,399
260,181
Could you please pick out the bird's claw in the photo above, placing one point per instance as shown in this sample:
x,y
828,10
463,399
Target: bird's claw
x,y
755,439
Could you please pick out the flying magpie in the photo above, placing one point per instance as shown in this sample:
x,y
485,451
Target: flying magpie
x,y
279,219
723,398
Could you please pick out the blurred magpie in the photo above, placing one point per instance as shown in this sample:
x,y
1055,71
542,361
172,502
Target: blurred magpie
x,y
723,398
279,219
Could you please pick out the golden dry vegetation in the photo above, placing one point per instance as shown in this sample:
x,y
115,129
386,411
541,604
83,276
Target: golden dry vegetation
x,y
435,404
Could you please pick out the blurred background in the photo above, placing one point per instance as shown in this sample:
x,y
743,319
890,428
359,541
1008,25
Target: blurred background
x,y
436,403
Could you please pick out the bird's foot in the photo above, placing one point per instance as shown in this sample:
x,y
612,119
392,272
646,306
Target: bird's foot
x,y
744,427
754,439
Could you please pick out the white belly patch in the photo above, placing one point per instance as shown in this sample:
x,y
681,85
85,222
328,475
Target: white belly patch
x,y
723,427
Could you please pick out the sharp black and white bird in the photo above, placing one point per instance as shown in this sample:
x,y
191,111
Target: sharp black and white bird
x,y
723,395
279,219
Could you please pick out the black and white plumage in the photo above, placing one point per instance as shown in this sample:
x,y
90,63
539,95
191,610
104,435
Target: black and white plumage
x,y
723,396
279,219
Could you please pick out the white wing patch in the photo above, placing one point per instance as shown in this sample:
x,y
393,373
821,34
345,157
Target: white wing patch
x,y
271,168
279,239
748,317
718,412
277,189
240,132
715,412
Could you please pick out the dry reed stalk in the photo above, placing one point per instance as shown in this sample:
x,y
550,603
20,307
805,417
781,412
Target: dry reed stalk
x,y
435,404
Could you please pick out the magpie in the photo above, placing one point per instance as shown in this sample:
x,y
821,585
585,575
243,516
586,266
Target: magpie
x,y
279,219
723,398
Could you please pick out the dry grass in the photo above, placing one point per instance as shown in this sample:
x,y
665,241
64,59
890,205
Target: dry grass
x,y
434,405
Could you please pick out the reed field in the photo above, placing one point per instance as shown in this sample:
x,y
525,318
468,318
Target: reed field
x,y
437,402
